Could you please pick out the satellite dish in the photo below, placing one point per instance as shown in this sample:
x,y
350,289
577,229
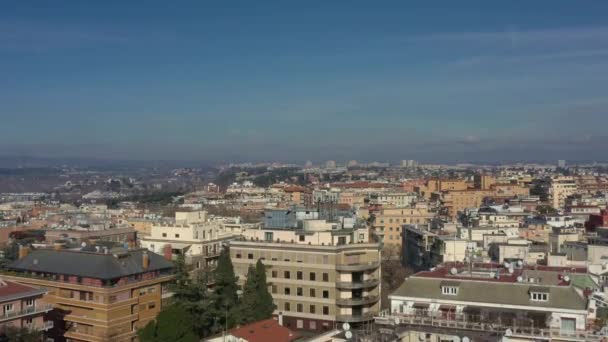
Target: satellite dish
x,y
520,263
397,321
520,279
508,332
346,327
83,244
507,265
466,339
511,270
348,334
567,278
456,339
453,270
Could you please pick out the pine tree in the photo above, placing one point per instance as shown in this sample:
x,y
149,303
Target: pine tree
x,y
249,302
225,296
265,306
172,324
181,284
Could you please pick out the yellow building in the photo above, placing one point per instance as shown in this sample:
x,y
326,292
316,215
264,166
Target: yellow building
x,y
96,295
389,222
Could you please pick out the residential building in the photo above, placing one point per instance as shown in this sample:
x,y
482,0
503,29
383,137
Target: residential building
x,y
489,302
561,188
320,274
194,235
98,294
22,307
388,222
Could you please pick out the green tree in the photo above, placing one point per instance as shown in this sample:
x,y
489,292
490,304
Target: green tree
x,y
265,305
256,303
181,284
10,333
225,298
173,324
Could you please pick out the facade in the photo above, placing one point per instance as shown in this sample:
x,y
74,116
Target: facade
x,y
389,221
119,235
319,276
423,249
22,307
561,188
393,199
96,295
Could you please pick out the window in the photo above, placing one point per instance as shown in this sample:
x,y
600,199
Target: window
x,y
151,305
29,321
268,236
325,276
325,294
299,307
299,275
286,275
274,274
312,276
287,291
449,290
313,293
312,325
539,296
312,309
326,310
164,234
302,238
249,255
300,324
238,255
299,292
29,302
8,307
177,235
274,289
151,289
287,307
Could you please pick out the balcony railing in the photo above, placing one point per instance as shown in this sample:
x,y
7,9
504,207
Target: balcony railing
x,y
356,318
40,308
364,266
357,284
357,301
460,322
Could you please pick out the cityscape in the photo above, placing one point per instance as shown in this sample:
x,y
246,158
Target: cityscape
x,y
303,172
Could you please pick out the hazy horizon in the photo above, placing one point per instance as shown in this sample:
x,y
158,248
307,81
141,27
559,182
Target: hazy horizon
x,y
468,81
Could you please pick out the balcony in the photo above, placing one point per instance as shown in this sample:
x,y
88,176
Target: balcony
x,y
358,267
48,325
365,284
368,316
41,308
357,301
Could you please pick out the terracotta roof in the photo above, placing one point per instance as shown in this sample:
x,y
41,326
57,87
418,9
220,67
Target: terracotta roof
x,y
267,330
10,291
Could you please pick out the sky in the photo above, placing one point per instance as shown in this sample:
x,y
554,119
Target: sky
x,y
436,81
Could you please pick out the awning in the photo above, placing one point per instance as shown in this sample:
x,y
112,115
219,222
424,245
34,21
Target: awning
x,y
179,245
447,307
421,305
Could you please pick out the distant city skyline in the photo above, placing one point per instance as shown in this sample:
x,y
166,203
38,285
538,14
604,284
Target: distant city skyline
x,y
470,81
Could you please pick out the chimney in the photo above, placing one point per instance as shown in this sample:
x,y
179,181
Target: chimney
x,y
23,251
145,262
168,253
281,318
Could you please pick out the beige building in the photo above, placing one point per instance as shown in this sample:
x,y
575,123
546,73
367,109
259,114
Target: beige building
x,y
389,222
561,188
195,235
318,276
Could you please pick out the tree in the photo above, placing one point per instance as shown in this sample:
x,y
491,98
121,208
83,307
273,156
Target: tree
x,y
181,284
225,298
10,333
256,303
173,324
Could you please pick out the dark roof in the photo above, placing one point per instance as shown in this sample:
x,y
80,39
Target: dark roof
x,y
90,265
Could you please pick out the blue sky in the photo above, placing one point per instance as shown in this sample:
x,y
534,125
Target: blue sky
x,y
262,80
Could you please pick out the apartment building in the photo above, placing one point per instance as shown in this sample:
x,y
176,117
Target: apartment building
x,y
319,275
22,307
561,188
194,235
97,295
489,302
393,199
423,249
389,221
456,201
